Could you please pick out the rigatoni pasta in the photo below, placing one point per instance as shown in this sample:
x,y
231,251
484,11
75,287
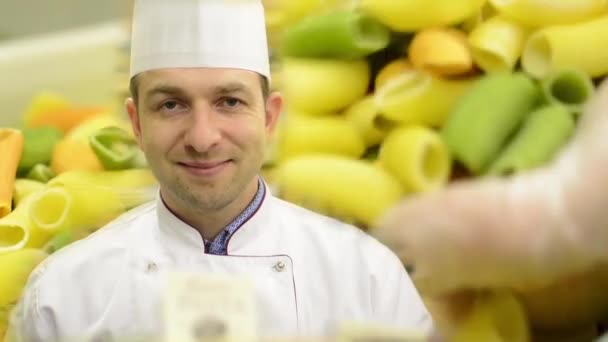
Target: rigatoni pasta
x,y
576,46
541,13
417,157
412,15
497,44
25,187
353,190
485,117
541,137
300,134
363,115
417,97
569,88
317,86
15,228
442,51
11,147
337,34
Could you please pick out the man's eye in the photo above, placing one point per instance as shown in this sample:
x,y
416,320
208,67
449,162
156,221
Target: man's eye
x,y
170,105
232,102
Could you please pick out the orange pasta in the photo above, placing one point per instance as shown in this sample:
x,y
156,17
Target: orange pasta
x,y
11,147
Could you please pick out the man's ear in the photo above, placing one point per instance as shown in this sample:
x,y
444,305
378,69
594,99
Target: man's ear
x,y
134,117
274,107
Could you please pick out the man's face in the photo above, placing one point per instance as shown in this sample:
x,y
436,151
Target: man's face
x,y
204,132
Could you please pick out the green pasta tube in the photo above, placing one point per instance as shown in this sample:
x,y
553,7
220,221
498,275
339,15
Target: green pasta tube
x,y
114,147
486,116
57,242
338,34
577,46
569,88
417,97
497,43
41,173
417,157
541,13
62,239
38,144
541,137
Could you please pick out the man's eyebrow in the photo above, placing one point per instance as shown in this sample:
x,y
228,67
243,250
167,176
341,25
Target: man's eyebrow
x,y
165,89
231,88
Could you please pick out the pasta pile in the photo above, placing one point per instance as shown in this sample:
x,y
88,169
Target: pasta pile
x,y
421,93
64,175
389,99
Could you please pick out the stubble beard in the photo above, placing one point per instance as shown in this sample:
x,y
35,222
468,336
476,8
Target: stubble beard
x,y
203,199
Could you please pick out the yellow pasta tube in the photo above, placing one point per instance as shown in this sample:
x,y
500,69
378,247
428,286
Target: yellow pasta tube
x,y
541,13
363,115
412,15
497,44
300,134
318,86
417,97
16,228
577,46
76,201
11,147
495,317
73,208
391,70
441,51
417,157
352,190
25,187
486,12
132,187
47,213
15,269
127,179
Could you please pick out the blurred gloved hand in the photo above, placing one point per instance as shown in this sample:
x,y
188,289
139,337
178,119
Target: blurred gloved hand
x,y
531,232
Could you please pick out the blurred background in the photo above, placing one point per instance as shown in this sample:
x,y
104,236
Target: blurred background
x,y
72,47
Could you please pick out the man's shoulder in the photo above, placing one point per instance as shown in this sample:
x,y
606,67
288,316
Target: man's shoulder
x,y
101,251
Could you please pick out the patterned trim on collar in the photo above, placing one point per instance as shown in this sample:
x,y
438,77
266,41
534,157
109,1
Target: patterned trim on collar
x,y
219,245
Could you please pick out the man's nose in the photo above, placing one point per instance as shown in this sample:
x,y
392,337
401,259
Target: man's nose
x,y
204,132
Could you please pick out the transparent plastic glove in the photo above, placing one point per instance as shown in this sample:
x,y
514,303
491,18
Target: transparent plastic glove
x,y
524,232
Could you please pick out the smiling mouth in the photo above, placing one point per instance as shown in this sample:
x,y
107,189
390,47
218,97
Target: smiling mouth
x,y
205,165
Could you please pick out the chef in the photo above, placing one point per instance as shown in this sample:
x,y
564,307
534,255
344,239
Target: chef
x,y
202,113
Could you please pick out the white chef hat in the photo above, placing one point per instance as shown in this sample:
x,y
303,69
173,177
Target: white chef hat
x,y
199,33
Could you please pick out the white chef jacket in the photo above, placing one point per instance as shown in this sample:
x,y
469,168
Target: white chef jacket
x,y
110,284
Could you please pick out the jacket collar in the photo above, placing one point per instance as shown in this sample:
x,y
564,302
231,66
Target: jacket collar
x,y
256,236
